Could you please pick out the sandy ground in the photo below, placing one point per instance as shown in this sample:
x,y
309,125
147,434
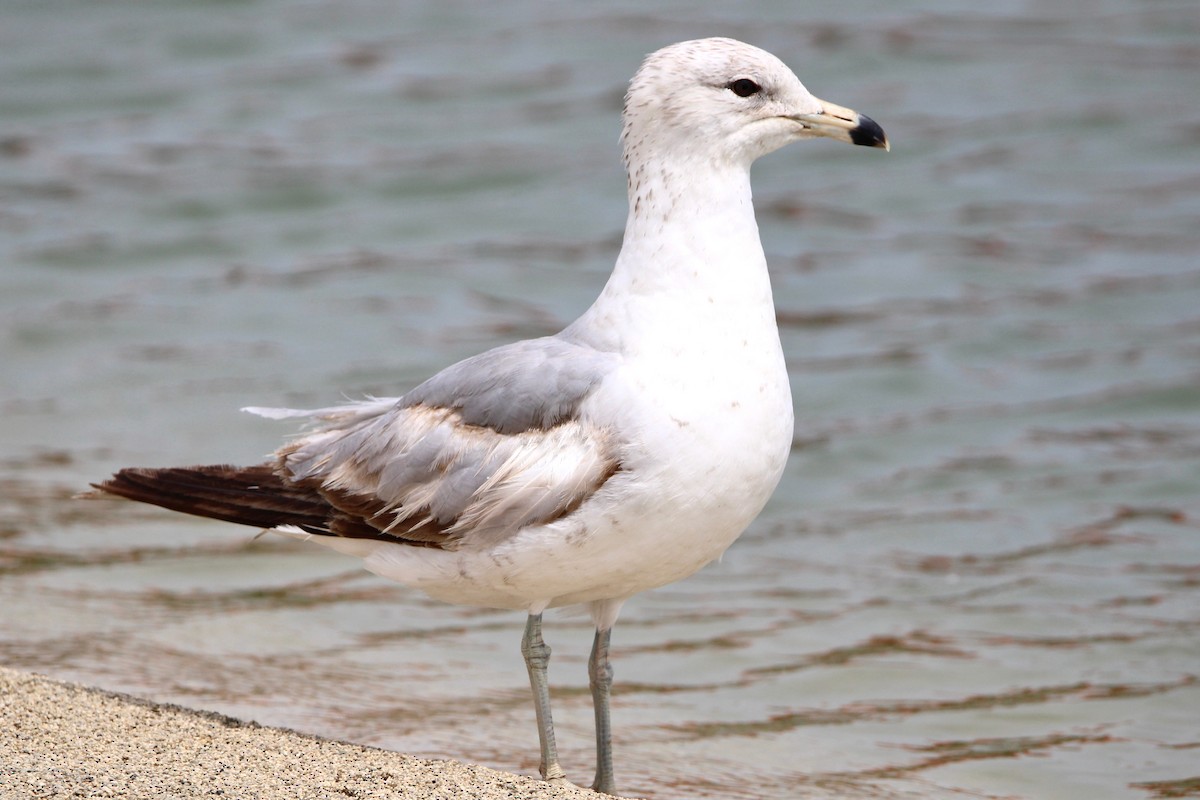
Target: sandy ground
x,y
64,740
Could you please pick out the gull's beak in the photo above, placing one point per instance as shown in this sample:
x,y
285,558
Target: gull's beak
x,y
844,125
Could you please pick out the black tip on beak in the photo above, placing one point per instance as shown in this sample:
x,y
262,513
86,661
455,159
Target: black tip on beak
x,y
868,133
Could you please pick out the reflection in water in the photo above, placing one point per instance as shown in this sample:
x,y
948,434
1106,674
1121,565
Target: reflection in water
x,y
979,576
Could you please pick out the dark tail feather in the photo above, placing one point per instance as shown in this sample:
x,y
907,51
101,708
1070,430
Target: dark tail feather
x,y
246,495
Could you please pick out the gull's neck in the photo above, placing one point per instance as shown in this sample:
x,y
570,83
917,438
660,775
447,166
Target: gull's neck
x,y
691,266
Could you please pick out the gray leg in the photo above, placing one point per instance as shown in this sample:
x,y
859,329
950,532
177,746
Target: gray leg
x,y
600,675
537,658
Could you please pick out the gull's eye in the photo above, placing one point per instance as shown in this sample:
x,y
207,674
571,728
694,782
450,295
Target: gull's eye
x,y
744,87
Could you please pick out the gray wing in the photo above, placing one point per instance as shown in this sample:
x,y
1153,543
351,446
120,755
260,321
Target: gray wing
x,y
480,450
538,383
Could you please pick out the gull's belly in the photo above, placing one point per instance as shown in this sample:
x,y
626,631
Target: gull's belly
x,y
700,471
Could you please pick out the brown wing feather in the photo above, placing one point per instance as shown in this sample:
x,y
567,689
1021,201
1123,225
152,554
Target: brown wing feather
x,y
257,496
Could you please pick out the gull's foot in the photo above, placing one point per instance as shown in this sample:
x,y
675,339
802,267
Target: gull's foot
x,y
605,787
561,780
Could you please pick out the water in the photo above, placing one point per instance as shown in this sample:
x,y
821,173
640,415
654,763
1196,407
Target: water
x,y
980,575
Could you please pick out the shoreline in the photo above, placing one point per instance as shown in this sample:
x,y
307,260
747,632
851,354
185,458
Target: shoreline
x,y
63,739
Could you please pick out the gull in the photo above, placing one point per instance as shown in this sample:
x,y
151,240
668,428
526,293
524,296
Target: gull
x,y
621,454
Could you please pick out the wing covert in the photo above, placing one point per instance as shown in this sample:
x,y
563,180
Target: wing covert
x,y
469,457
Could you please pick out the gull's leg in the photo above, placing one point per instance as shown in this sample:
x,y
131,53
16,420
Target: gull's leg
x,y
537,658
600,675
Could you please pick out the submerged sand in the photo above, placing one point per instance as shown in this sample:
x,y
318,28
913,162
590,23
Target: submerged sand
x,y
61,739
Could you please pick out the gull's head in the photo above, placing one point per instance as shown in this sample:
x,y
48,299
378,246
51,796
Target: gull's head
x,y
722,100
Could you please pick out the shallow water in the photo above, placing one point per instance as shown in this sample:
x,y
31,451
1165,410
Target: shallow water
x,y
981,574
